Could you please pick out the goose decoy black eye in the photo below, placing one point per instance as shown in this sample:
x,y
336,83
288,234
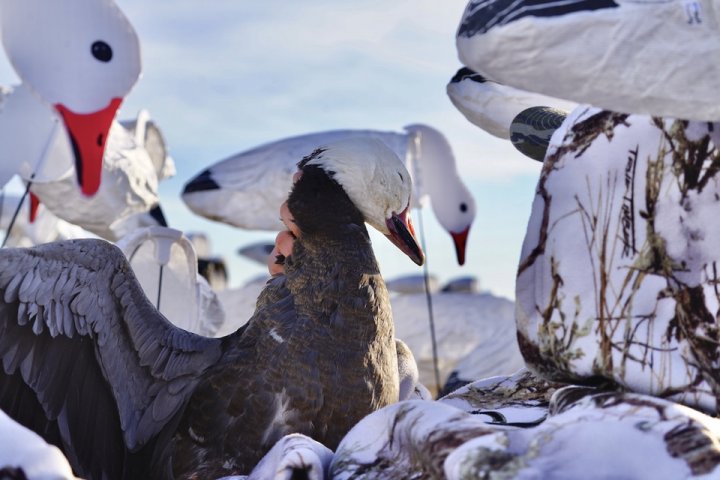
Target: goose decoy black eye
x,y
463,207
101,51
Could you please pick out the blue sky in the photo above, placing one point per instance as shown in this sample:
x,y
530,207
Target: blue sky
x,y
223,76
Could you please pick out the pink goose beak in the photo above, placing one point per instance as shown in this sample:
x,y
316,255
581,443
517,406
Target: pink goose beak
x,y
402,234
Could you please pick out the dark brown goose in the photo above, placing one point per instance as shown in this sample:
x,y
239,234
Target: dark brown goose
x,y
91,365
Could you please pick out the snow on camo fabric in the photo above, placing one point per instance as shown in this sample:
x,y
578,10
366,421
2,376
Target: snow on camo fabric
x,y
618,276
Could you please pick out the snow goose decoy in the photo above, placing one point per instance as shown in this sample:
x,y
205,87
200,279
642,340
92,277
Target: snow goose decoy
x,y
293,456
643,57
413,283
477,325
164,262
126,394
596,434
247,189
134,162
493,106
84,77
617,275
465,284
257,251
588,433
520,399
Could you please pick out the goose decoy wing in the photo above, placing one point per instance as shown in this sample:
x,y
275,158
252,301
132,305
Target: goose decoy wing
x,y
86,357
243,189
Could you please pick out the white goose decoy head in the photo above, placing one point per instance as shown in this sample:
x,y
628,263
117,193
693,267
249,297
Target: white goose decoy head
x,y
379,187
85,76
434,168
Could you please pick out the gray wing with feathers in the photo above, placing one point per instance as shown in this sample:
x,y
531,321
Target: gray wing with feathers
x,y
77,329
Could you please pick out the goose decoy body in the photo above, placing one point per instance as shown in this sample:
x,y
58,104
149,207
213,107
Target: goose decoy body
x,y
294,456
644,58
475,334
134,162
466,284
166,266
92,366
211,267
493,106
247,189
83,78
258,251
582,433
413,283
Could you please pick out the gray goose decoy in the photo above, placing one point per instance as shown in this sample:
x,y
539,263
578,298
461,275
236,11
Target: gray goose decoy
x,y
92,366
